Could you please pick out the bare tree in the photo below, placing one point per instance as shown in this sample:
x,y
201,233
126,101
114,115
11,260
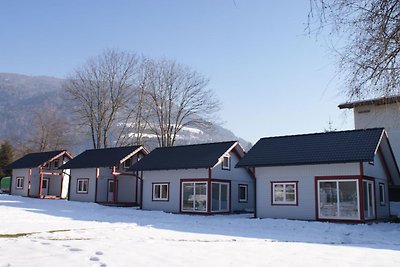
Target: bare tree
x,y
369,51
101,90
50,132
176,97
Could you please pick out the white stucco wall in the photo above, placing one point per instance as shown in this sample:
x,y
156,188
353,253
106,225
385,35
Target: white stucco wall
x,y
306,188
387,116
236,176
19,173
76,174
173,178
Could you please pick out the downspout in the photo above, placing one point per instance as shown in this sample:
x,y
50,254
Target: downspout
x,y
255,193
29,182
141,190
40,181
361,192
115,186
69,185
11,180
209,191
96,184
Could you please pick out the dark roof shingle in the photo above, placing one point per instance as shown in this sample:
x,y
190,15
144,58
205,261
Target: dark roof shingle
x,y
93,158
318,148
183,157
33,160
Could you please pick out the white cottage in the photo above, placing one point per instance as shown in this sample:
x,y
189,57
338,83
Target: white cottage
x,y
334,176
196,179
38,175
102,176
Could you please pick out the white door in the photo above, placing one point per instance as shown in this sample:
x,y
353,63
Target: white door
x,y
110,191
45,187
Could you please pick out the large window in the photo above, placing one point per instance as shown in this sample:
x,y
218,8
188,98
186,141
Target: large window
x,y
220,196
20,183
82,186
160,192
284,193
382,199
338,199
194,196
243,190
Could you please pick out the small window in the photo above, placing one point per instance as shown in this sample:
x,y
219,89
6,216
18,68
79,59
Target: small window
x,y
46,166
82,186
127,163
284,193
226,162
160,192
20,183
56,164
382,199
243,192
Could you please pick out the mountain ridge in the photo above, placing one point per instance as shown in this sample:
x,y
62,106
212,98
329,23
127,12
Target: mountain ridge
x,y
22,95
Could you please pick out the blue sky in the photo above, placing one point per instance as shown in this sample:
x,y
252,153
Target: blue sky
x,y
271,77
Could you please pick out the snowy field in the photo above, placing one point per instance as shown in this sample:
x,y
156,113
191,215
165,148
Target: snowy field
x,y
38,232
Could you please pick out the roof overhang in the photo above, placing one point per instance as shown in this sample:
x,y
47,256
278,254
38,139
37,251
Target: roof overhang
x,y
375,101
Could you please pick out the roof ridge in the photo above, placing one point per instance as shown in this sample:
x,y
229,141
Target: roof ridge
x,y
324,133
201,144
110,148
51,151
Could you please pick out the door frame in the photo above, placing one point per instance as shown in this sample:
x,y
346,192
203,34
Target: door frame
x,y
369,182
108,189
48,186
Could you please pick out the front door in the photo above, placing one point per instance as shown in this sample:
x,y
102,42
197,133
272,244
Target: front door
x,y
45,186
110,191
369,199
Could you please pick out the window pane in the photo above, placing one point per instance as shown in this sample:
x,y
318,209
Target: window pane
x,y
188,196
224,197
382,193
290,197
201,197
289,188
225,162
328,199
84,186
348,202
164,194
215,196
111,186
242,192
156,191
278,192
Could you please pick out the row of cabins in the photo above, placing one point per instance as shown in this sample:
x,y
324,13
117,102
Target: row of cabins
x,y
335,176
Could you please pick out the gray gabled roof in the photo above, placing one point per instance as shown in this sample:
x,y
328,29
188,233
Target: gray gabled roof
x,y
33,160
95,158
183,157
318,148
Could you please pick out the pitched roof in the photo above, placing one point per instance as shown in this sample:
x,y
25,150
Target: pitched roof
x,y
33,160
375,101
183,157
94,158
318,148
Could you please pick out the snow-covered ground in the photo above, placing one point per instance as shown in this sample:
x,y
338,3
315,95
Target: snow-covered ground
x,y
38,232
